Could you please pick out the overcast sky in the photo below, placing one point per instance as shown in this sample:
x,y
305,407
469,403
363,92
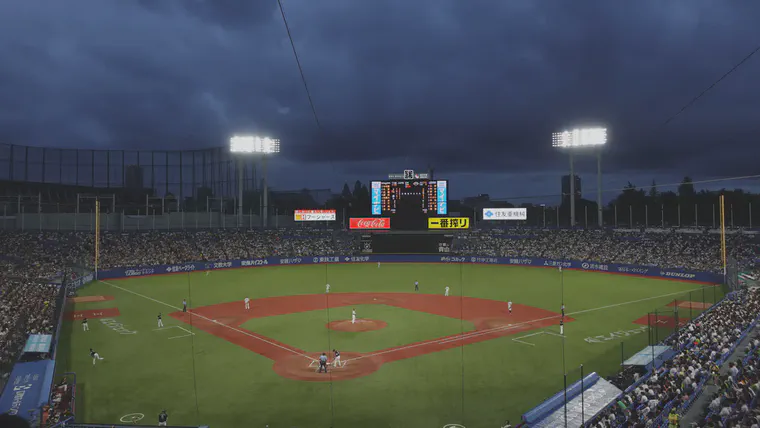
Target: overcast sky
x,y
473,87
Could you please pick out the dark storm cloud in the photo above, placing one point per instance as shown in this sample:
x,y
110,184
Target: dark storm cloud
x,y
462,85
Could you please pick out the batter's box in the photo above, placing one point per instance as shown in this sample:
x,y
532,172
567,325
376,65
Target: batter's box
x,y
340,365
187,332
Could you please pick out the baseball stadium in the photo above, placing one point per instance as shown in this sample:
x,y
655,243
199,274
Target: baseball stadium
x,y
177,288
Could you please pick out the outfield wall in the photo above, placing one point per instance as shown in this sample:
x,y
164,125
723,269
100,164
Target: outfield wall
x,y
614,268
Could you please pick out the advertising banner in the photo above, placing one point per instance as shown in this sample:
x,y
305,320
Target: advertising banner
x,y
379,223
38,343
620,269
27,388
505,213
314,215
448,223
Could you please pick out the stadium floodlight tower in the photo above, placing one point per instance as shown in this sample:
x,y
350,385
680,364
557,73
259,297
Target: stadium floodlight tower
x,y
249,145
581,140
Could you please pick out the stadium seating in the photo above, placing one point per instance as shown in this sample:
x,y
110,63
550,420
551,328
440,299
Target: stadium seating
x,y
28,260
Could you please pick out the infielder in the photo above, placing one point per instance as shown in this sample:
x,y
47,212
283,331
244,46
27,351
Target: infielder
x,y
509,306
322,363
95,356
446,291
85,326
327,288
336,360
247,303
160,321
562,309
353,316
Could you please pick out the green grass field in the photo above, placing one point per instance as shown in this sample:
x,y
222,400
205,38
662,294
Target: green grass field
x,y
204,379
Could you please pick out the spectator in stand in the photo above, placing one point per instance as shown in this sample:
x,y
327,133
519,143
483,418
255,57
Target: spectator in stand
x,y
704,342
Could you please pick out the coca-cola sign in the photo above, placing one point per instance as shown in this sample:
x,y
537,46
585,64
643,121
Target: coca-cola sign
x,y
378,223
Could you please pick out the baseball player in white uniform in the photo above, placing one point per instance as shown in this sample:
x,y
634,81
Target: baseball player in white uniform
x,y
247,303
562,326
509,306
378,265
95,356
353,316
85,326
327,288
446,291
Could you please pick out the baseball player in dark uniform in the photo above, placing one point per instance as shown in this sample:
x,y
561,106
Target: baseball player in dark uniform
x,y
322,363
184,305
85,326
162,418
336,359
160,321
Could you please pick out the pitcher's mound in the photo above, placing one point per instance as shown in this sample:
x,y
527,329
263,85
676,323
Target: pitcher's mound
x,y
360,325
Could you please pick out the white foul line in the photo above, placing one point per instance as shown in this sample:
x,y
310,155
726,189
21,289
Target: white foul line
x,y
476,333
209,320
526,343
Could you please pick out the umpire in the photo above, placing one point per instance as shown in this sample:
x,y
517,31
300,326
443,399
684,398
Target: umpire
x,y
162,418
322,363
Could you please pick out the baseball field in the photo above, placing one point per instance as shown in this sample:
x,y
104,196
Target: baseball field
x,y
412,359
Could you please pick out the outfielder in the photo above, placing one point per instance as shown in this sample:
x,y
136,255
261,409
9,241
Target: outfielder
x,y
160,321
85,326
327,288
95,356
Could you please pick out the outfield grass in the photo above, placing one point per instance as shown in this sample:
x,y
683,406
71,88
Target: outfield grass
x,y
202,379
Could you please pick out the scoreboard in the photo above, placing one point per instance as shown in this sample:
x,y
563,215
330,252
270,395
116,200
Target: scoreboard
x,y
431,196
409,199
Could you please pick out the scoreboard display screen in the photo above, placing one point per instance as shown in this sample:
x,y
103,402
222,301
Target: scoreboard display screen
x,y
409,203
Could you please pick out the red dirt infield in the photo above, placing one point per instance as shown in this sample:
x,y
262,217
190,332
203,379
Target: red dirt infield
x,y
360,325
491,319
690,305
92,314
660,321
89,299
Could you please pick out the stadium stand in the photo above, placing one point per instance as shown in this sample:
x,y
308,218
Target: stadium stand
x,y
30,260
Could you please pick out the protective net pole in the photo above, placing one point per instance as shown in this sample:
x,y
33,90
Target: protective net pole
x,y
723,234
97,236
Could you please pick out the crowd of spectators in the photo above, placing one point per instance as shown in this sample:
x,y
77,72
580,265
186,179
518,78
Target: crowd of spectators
x,y
27,306
703,345
29,260
666,248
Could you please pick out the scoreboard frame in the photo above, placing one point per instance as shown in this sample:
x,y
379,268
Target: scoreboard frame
x,y
441,195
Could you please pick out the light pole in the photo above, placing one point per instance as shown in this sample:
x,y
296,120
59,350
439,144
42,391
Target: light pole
x,y
252,145
579,140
